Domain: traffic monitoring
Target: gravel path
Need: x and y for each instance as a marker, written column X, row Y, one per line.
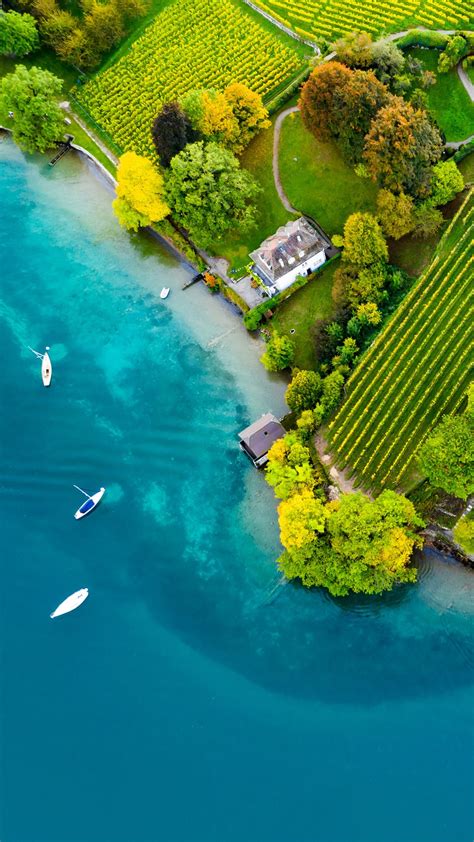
column 276, row 172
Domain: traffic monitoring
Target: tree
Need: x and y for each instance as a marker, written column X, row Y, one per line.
column 355, row 49
column 289, row 468
column 103, row 28
column 211, row 115
column 306, row 424
column 171, row 132
column 368, row 285
column 139, row 199
column 348, row 351
column 363, row 240
column 446, row 183
column 401, row 148
column 395, row 213
column 18, row 34
column 57, row 28
column 447, row 456
column 32, row 97
column 280, row 353
column 249, row 113
column 332, row 389
column 129, row 10
column 301, row 517
column 209, row 193
column 303, row 391
column 320, row 99
column 456, row 48
column 368, row 314
column 428, row 221
column 464, row 534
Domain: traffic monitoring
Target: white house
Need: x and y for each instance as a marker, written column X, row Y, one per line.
column 297, row 248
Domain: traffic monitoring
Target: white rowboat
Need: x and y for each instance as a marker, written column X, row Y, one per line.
column 90, row 504
column 165, row 292
column 46, row 369
column 71, row 603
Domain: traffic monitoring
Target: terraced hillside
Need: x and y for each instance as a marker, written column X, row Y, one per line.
column 190, row 44
column 331, row 18
column 417, row 369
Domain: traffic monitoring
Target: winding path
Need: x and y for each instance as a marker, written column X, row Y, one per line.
column 464, row 78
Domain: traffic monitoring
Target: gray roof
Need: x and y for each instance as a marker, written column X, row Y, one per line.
column 259, row 437
column 292, row 244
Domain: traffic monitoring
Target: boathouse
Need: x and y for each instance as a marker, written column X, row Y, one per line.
column 257, row 439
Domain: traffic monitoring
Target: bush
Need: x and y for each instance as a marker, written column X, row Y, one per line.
column 464, row 534
column 423, row 38
column 303, row 391
column 280, row 353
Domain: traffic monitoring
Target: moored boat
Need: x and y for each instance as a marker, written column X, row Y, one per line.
column 165, row 292
column 46, row 369
column 92, row 501
column 71, row 603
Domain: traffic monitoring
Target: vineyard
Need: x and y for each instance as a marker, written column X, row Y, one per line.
column 331, row 18
column 417, row 369
column 190, row 44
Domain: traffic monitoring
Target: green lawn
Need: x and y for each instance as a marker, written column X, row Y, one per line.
column 316, row 179
column 448, row 101
column 300, row 311
column 271, row 214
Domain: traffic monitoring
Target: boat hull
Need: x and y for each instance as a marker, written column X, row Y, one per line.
column 164, row 292
column 71, row 603
column 90, row 504
column 46, row 369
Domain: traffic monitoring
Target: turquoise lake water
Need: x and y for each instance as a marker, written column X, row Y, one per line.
column 192, row 697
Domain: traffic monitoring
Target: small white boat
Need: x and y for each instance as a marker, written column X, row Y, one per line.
column 46, row 366
column 46, row 369
column 71, row 603
column 92, row 501
column 165, row 292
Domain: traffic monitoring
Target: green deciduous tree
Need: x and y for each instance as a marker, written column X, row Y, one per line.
column 18, row 34
column 401, row 148
column 32, row 97
column 395, row 213
column 249, row 113
column 332, row 389
column 428, row 221
column 456, row 48
column 446, row 183
column 140, row 190
column 279, row 354
column 447, row 455
column 464, row 534
column 364, row 242
column 368, row 314
column 289, row 468
column 209, row 193
column 303, row 391
column 171, row 132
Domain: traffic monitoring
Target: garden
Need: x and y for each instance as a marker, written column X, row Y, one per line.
column 416, row 370
column 328, row 19
column 190, row 45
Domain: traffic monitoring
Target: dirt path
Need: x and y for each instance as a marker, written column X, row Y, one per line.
column 338, row 478
column 276, row 172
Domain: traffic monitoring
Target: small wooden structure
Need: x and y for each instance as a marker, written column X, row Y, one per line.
column 257, row 439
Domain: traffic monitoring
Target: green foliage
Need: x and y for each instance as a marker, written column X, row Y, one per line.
column 279, row 354
column 369, row 314
column 447, row 456
column 464, row 534
column 18, row 34
column 209, row 193
column 303, row 391
column 428, row 220
column 306, row 424
column 332, row 389
column 395, row 213
column 363, row 240
column 352, row 545
column 32, row 97
column 446, row 184
column 289, row 468
column 456, row 48
column 423, row 38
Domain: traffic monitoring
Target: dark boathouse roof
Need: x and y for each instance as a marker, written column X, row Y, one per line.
column 257, row 439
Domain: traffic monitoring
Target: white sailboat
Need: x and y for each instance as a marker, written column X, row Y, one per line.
column 92, row 501
column 71, row 603
column 46, row 365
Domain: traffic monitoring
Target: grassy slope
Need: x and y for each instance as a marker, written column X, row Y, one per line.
column 448, row 101
column 316, row 179
column 414, row 372
column 257, row 158
column 300, row 313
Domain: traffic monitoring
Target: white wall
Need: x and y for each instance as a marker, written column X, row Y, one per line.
column 314, row 262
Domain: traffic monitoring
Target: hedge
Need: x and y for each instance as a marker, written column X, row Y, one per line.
column 431, row 39
column 253, row 318
column 464, row 150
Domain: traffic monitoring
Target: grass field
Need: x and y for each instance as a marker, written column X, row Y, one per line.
column 329, row 19
column 300, row 311
column 416, row 370
column 190, row 44
column 448, row 100
column 316, row 179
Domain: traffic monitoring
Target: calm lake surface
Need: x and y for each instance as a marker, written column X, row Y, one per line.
column 192, row 697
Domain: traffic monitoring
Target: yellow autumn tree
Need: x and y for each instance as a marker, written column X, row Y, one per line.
column 140, row 192
column 300, row 518
column 249, row 113
column 232, row 117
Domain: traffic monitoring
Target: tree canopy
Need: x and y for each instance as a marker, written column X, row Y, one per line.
column 32, row 97
column 395, row 213
column 447, row 182
column 279, row 354
column 18, row 34
column 447, row 455
column 303, row 391
column 231, row 117
column 171, row 132
column 140, row 190
column 401, row 148
column 209, row 193
column 364, row 242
